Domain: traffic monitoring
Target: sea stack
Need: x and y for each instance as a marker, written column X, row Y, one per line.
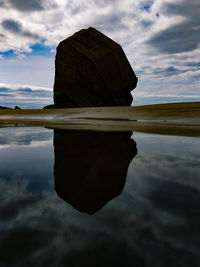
column 91, row 70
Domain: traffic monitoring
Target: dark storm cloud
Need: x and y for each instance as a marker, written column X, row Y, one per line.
column 182, row 37
column 16, row 27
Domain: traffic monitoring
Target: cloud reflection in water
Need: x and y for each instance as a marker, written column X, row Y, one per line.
column 154, row 222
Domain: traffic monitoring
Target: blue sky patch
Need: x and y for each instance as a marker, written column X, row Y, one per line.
column 41, row 49
column 37, row 49
column 8, row 54
column 147, row 7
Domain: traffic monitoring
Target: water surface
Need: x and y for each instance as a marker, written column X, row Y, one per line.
column 80, row 198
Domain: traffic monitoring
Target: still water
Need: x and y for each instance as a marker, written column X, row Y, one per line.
column 80, row 198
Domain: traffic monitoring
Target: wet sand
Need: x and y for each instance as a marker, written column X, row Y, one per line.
column 171, row 118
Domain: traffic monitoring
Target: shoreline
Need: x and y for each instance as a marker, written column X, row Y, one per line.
column 169, row 118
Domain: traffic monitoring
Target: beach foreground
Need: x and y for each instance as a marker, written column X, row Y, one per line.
column 170, row 118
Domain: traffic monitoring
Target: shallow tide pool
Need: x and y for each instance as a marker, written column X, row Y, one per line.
column 81, row 198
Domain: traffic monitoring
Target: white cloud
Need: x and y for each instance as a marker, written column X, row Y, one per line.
column 25, row 96
column 25, row 86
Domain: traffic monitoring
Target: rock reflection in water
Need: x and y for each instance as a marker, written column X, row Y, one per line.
column 90, row 167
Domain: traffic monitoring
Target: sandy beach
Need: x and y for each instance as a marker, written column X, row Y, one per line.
column 170, row 118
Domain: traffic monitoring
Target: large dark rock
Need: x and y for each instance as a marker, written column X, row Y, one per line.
column 90, row 167
column 92, row 70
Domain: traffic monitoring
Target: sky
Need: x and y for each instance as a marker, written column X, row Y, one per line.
column 161, row 39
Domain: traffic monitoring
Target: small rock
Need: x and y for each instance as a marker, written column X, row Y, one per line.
column 49, row 107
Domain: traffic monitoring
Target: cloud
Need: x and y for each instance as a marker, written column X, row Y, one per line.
column 12, row 209
column 170, row 71
column 183, row 36
column 11, row 25
column 23, row 5
column 24, row 137
column 15, row 27
column 4, row 89
column 193, row 64
column 25, row 97
column 34, row 145
column 177, row 39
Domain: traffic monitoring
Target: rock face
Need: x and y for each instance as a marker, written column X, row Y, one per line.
column 92, row 70
column 90, row 167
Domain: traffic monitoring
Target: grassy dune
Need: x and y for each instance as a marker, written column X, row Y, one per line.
column 170, row 118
